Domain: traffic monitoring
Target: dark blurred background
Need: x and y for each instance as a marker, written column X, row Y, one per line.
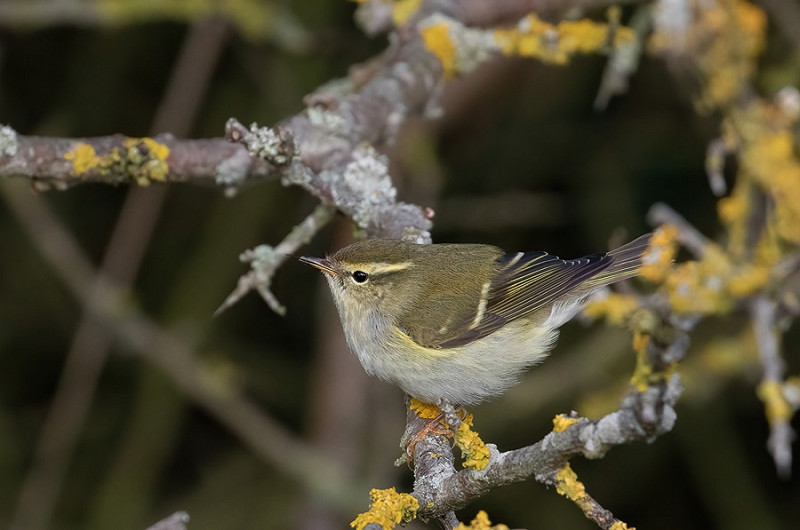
column 520, row 159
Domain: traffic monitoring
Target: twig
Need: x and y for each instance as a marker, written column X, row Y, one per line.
column 176, row 521
column 264, row 260
column 624, row 61
column 764, row 313
column 688, row 235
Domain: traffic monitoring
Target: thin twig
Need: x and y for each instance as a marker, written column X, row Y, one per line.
column 764, row 314
column 691, row 238
column 265, row 260
column 176, row 521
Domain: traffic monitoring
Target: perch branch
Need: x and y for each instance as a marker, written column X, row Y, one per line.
column 644, row 415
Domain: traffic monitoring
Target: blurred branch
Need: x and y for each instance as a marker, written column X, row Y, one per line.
column 126, row 247
column 689, row 236
column 170, row 353
column 255, row 20
column 624, row 60
column 176, row 521
column 480, row 13
column 377, row 16
column 764, row 313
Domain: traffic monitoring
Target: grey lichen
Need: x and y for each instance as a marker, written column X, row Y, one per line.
column 233, row 171
column 267, row 143
column 365, row 185
column 8, row 141
column 330, row 121
column 473, row 46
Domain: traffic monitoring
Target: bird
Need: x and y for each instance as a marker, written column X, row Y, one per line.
column 461, row 323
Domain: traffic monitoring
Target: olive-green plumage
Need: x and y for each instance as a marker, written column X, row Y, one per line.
column 460, row 322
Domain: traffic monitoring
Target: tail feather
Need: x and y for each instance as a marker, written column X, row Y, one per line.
column 625, row 264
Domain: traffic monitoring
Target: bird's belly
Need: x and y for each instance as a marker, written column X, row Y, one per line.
column 465, row 375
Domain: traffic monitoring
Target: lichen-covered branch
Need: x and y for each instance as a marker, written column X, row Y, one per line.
column 461, row 48
column 58, row 163
column 645, row 413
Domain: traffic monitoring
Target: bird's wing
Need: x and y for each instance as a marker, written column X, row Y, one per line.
column 524, row 283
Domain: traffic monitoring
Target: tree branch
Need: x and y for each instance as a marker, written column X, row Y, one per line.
column 58, row 163
column 643, row 416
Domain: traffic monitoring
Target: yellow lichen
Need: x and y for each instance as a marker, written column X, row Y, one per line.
column 437, row 40
column 481, row 522
column 83, row 157
column 388, row 509
column 426, row 411
column 142, row 160
column 568, row 484
column 702, row 286
column 614, row 307
column 561, row 422
column 643, row 372
column 776, row 406
column 475, row 453
column 747, row 280
column 403, row 10
column 660, row 255
column 725, row 68
column 146, row 160
column 558, row 43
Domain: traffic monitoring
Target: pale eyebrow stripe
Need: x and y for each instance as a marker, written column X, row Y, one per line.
column 382, row 268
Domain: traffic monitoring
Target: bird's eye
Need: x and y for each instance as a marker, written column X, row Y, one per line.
column 360, row 276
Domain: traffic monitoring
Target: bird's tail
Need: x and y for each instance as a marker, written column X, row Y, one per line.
column 625, row 264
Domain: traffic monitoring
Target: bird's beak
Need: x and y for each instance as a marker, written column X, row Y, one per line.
column 321, row 264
